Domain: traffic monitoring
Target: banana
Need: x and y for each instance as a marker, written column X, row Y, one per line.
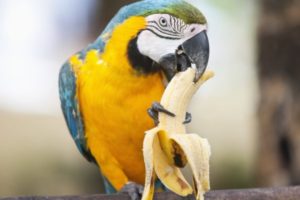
column 167, row 147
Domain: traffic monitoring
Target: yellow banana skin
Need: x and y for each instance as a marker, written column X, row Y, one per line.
column 174, row 153
column 167, row 147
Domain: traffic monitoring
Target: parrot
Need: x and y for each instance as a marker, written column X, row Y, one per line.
column 107, row 89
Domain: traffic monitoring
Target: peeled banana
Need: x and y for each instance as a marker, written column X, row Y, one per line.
column 167, row 147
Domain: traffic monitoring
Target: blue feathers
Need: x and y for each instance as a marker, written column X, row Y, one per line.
column 70, row 108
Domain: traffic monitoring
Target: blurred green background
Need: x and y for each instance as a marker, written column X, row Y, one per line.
column 37, row 154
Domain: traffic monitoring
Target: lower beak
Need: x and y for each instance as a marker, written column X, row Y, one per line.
column 193, row 52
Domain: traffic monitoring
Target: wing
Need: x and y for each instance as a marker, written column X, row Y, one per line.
column 71, row 110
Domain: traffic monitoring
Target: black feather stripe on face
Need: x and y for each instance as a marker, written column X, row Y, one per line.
column 142, row 64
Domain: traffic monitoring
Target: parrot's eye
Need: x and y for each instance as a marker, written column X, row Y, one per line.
column 167, row 26
column 163, row 22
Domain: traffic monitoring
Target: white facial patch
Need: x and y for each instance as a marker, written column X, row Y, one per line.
column 164, row 34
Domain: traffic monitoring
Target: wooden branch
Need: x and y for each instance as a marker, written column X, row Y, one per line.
column 280, row 193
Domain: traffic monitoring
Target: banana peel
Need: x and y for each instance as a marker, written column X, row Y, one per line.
column 167, row 147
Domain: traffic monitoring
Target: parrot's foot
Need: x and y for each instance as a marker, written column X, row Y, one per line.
column 134, row 190
column 188, row 118
column 157, row 108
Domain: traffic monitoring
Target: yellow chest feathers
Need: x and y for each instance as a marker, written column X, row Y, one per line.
column 114, row 99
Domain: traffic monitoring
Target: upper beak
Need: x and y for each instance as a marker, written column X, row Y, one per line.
column 197, row 50
column 194, row 51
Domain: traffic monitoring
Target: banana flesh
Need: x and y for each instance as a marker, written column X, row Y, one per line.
column 167, row 147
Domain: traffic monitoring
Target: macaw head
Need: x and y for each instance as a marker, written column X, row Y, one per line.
column 172, row 38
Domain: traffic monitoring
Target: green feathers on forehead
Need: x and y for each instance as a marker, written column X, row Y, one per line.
column 188, row 13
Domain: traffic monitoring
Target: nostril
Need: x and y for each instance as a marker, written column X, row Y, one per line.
column 193, row 29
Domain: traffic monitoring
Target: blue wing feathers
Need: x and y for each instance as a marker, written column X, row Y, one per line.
column 70, row 108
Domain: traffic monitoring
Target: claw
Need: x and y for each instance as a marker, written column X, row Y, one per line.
column 154, row 115
column 159, row 108
column 155, row 109
column 188, row 118
column 134, row 190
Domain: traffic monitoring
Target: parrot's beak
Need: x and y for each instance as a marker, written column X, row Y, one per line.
column 197, row 50
column 192, row 53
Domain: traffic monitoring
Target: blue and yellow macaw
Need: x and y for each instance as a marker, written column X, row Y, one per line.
column 107, row 88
